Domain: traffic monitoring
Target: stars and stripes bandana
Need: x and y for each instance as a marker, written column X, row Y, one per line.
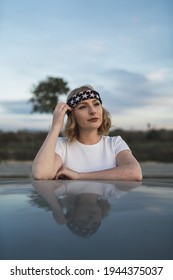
column 82, row 96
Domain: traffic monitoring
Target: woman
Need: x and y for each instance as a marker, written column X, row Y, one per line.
column 78, row 204
column 86, row 153
column 81, row 205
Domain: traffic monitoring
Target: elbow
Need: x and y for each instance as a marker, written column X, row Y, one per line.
column 140, row 176
column 133, row 173
column 36, row 176
column 40, row 175
column 136, row 175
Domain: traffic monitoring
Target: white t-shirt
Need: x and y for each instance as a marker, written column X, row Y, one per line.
column 83, row 187
column 88, row 158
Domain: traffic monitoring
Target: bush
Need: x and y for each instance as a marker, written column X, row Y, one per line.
column 151, row 145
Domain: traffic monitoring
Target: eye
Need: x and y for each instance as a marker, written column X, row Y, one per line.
column 96, row 104
column 81, row 107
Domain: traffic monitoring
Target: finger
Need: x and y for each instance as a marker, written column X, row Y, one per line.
column 69, row 110
column 59, row 174
column 60, row 106
column 63, row 108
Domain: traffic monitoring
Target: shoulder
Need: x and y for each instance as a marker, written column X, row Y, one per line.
column 61, row 145
column 116, row 143
column 64, row 142
column 61, row 142
column 113, row 140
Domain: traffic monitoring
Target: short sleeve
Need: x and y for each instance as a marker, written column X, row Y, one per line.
column 60, row 147
column 119, row 145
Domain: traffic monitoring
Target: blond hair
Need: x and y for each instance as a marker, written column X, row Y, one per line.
column 71, row 127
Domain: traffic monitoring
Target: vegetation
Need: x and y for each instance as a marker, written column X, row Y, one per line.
column 150, row 145
column 46, row 94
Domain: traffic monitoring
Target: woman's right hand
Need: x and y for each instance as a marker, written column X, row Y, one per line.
column 59, row 114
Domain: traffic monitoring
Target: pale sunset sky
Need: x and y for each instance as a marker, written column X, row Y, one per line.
column 123, row 48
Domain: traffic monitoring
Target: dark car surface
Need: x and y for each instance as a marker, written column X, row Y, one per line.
column 85, row 220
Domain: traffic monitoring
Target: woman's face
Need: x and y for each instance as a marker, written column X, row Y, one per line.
column 89, row 114
column 88, row 216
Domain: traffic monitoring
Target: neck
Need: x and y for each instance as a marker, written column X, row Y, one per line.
column 89, row 138
column 87, row 200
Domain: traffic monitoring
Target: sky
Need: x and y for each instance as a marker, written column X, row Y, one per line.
column 123, row 48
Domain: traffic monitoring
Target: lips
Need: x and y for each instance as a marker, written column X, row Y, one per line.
column 93, row 120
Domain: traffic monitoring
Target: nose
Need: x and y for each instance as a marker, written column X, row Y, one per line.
column 92, row 110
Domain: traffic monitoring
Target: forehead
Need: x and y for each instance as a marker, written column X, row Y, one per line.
column 88, row 101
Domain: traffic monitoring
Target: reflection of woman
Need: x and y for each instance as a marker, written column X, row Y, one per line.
column 81, row 205
column 84, row 212
column 87, row 152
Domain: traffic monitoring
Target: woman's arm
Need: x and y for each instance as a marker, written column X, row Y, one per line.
column 47, row 163
column 128, row 169
column 46, row 189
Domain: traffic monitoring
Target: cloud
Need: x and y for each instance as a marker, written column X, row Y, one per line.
column 14, row 122
column 16, row 107
column 125, row 90
column 158, row 75
column 17, row 116
column 132, row 98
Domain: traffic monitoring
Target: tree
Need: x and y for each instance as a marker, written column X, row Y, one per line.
column 46, row 94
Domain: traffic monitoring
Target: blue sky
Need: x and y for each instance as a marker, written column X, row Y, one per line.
column 123, row 48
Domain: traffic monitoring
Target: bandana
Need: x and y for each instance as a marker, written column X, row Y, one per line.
column 82, row 231
column 83, row 95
